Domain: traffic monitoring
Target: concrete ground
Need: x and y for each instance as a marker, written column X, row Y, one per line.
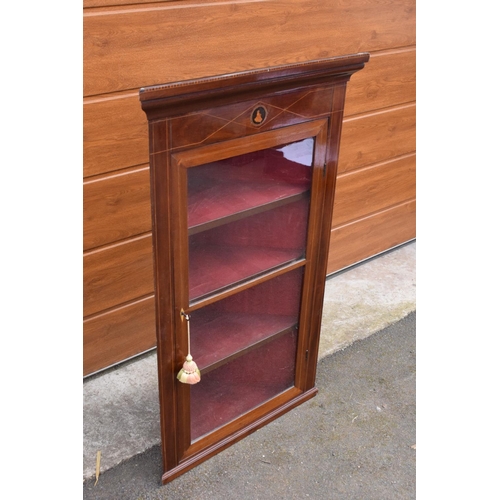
column 121, row 407
column 354, row 440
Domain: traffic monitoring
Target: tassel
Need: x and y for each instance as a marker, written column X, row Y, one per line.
column 189, row 373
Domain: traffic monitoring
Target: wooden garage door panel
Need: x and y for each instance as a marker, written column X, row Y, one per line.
column 127, row 49
column 109, row 3
column 116, row 207
column 366, row 237
column 118, row 335
column 388, row 80
column 117, row 274
column 375, row 188
column 115, row 134
column 376, row 137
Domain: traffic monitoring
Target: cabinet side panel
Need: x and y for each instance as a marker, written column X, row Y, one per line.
column 163, row 275
column 331, row 166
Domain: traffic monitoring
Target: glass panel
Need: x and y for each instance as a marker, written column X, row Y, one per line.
column 233, row 326
column 242, row 384
column 231, row 253
column 245, row 347
column 226, row 187
column 247, row 214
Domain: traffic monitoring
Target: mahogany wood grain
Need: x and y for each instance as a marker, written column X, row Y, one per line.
column 117, row 274
column 363, row 238
column 241, row 392
column 118, row 334
column 234, row 145
column 126, row 48
column 323, row 235
column 168, row 347
column 212, row 125
column 373, row 138
column 116, row 207
column 372, row 189
column 388, row 81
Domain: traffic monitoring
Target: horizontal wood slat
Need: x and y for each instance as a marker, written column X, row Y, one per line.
column 114, row 336
column 376, row 137
column 114, row 3
column 129, row 330
column 115, row 134
column 128, row 49
column 388, row 80
column 119, row 4
column 116, row 208
column 119, row 206
column 371, row 235
column 375, row 188
column 118, row 335
column 133, row 43
column 117, row 274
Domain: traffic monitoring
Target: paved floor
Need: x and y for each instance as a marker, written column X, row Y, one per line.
column 354, row 440
column 120, row 406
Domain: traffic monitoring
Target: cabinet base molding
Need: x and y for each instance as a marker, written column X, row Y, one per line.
column 209, row 452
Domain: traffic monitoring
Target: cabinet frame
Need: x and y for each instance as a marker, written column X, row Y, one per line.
column 171, row 110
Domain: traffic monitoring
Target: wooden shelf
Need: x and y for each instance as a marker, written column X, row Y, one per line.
column 234, row 216
column 217, row 339
column 246, row 382
column 214, row 269
column 224, row 191
column 243, row 249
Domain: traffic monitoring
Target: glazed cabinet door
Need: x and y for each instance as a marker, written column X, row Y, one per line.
column 243, row 171
column 245, row 237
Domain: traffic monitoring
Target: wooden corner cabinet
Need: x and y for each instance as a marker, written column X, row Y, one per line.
column 243, row 170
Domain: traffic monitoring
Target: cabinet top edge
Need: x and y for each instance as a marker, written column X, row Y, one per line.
column 288, row 73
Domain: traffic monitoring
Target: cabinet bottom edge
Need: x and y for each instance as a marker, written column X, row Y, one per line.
column 237, row 436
